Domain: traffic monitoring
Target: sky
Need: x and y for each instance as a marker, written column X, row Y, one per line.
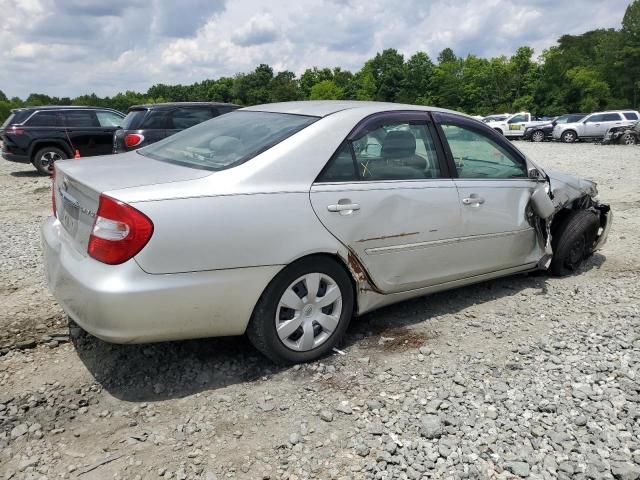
column 73, row 47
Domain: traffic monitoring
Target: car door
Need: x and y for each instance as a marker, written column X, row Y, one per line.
column 517, row 124
column 86, row 134
column 387, row 195
column 609, row 120
column 494, row 192
column 593, row 124
column 109, row 122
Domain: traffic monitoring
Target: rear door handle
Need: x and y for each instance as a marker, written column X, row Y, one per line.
column 473, row 201
column 343, row 207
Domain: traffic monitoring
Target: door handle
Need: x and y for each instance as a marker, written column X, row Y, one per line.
column 343, row 207
column 473, row 200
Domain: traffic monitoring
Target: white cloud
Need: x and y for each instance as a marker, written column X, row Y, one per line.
column 71, row 47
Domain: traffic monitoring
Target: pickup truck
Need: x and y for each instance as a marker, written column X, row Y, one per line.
column 515, row 125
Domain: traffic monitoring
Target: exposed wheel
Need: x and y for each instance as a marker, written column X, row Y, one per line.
column 569, row 136
column 628, row 139
column 574, row 241
column 44, row 159
column 304, row 311
column 537, row 136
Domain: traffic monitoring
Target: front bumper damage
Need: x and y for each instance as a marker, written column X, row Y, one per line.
column 559, row 195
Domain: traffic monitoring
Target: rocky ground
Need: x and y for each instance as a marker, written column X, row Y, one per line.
column 524, row 377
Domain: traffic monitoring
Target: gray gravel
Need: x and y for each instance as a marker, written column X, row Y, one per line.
column 524, row 377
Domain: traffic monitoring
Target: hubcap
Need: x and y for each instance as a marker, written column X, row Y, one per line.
column 47, row 158
column 538, row 137
column 629, row 140
column 568, row 137
column 308, row 312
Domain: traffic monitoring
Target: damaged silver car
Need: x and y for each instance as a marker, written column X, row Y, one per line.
column 284, row 221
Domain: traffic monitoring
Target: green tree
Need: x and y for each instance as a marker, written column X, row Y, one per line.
column 284, row 87
column 416, row 85
column 326, row 90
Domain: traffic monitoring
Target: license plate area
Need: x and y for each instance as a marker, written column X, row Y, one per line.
column 69, row 218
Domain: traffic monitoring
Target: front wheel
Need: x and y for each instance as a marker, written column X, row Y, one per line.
column 574, row 241
column 628, row 139
column 44, row 159
column 304, row 311
column 537, row 136
column 569, row 136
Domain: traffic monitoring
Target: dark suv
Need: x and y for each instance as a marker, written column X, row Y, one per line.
column 146, row 124
column 42, row 135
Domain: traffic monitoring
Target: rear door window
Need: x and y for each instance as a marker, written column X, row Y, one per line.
column 133, row 119
column 46, row 119
column 185, row 117
column 610, row 117
column 108, row 119
column 81, row 119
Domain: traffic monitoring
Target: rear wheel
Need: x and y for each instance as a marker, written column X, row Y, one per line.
column 44, row 159
column 569, row 136
column 304, row 311
column 537, row 136
column 574, row 241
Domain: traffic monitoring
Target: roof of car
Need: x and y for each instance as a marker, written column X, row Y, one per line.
column 178, row 104
column 322, row 108
column 62, row 107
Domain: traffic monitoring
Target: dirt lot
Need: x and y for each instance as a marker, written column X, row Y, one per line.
column 527, row 376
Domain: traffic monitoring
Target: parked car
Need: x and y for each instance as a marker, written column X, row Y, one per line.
column 544, row 131
column 283, row 221
column 43, row 135
column 629, row 135
column 594, row 126
column 146, row 124
column 514, row 126
column 496, row 118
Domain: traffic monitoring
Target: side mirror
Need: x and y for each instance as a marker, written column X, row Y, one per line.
column 535, row 174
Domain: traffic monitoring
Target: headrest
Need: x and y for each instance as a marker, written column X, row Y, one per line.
column 398, row 144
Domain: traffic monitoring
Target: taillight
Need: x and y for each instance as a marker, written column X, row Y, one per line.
column 119, row 232
column 53, row 189
column 133, row 139
column 15, row 130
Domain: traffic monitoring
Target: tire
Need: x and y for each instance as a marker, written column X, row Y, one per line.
column 569, row 136
column 537, row 136
column 301, row 346
column 628, row 139
column 574, row 241
column 45, row 157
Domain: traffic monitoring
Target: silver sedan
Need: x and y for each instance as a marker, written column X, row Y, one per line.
column 283, row 221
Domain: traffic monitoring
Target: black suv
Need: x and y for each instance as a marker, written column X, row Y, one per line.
column 544, row 131
column 146, row 124
column 42, row 135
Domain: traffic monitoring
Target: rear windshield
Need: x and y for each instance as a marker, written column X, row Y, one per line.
column 227, row 140
column 16, row 117
column 8, row 120
column 133, row 119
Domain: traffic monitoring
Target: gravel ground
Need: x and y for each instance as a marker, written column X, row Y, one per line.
column 523, row 377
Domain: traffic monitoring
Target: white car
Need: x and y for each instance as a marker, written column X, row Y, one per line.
column 283, row 221
column 515, row 125
column 594, row 126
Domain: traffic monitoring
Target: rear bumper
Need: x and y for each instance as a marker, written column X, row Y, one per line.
column 124, row 304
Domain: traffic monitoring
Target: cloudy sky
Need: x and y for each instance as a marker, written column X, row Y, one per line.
column 71, row 47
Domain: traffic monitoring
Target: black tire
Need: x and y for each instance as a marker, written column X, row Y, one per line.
column 44, row 158
column 569, row 136
column 262, row 326
column 537, row 136
column 574, row 241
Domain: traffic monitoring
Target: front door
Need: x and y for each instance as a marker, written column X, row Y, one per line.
column 494, row 193
column 387, row 195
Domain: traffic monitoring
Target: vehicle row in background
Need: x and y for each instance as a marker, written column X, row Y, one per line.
column 43, row 135
column 544, row 131
column 514, row 125
column 146, row 124
column 627, row 135
column 594, row 126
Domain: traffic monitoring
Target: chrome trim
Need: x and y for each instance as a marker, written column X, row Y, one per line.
column 434, row 243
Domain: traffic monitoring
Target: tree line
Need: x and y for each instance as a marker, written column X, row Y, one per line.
column 596, row 70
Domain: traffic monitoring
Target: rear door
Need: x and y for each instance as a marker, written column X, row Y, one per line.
column 517, row 124
column 86, row 134
column 109, row 123
column 387, row 195
column 494, row 193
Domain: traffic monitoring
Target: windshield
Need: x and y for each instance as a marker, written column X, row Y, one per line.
column 227, row 140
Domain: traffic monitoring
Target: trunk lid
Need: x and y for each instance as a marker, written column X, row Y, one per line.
column 79, row 183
